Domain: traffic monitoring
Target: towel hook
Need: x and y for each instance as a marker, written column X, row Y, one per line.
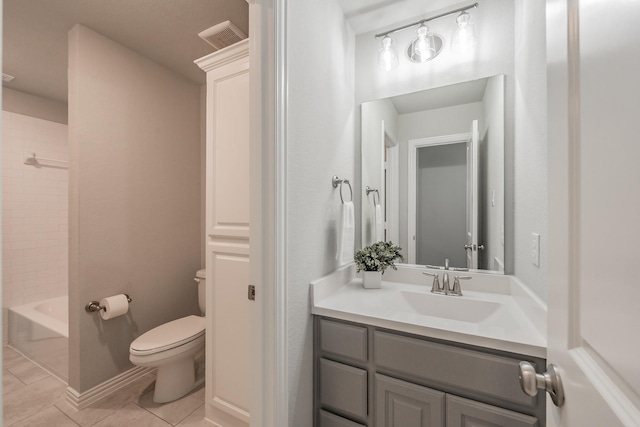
column 337, row 181
column 373, row 190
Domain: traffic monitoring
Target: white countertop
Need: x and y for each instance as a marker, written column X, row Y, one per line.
column 495, row 311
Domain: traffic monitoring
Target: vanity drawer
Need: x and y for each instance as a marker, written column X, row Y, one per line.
column 467, row 413
column 343, row 339
column 343, row 389
column 480, row 375
column 327, row 419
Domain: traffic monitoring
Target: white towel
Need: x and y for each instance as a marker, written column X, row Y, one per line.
column 379, row 223
column 346, row 234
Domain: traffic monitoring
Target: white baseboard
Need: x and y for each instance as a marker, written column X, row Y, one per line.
column 81, row 400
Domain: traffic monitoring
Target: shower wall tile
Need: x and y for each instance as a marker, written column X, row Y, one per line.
column 34, row 211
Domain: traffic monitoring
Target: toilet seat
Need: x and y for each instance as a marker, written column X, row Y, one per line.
column 168, row 336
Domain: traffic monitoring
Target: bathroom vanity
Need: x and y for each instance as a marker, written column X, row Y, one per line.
column 401, row 356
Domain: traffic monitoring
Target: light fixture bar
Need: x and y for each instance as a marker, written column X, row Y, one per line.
column 422, row 21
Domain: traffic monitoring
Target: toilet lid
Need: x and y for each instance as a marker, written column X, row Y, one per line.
column 169, row 335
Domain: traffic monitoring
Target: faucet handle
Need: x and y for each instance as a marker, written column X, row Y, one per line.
column 446, row 263
column 456, row 285
column 435, row 288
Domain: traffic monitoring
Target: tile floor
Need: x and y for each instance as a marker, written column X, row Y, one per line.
column 32, row 397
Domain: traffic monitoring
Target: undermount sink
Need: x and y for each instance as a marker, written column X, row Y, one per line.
column 462, row 308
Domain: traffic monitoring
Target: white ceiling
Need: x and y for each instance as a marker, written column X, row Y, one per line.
column 165, row 31
column 441, row 97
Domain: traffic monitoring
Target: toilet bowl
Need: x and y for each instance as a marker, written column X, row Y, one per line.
column 172, row 348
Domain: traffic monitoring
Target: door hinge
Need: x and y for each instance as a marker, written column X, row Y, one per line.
column 251, row 295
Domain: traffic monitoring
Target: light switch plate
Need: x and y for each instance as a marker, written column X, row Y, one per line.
column 535, row 249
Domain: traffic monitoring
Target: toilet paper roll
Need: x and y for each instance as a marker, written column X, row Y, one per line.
column 114, row 306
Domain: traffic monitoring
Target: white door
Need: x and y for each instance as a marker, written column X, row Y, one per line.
column 593, row 67
column 472, row 197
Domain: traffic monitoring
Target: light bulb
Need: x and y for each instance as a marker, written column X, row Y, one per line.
column 422, row 48
column 463, row 40
column 387, row 57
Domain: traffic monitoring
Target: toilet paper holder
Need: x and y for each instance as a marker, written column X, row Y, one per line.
column 93, row 306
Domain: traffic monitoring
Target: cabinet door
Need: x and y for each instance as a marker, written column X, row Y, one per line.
column 468, row 413
column 402, row 404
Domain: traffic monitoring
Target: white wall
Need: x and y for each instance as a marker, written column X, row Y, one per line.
column 320, row 143
column 372, row 154
column 530, row 149
column 134, row 212
column 35, row 211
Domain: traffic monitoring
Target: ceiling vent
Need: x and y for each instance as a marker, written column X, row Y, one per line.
column 7, row 77
column 222, row 35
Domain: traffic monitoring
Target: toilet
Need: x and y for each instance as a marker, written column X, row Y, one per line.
column 173, row 348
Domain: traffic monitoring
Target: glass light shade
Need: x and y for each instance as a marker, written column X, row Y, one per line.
column 423, row 48
column 387, row 57
column 463, row 40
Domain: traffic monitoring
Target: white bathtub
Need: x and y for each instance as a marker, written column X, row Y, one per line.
column 40, row 330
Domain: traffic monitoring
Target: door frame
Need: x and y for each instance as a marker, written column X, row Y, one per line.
column 268, row 91
column 412, row 157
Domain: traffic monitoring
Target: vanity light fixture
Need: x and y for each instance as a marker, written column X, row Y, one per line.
column 464, row 39
column 387, row 57
column 428, row 45
column 423, row 48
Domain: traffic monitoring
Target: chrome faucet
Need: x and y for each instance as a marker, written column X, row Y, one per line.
column 446, row 288
column 445, row 277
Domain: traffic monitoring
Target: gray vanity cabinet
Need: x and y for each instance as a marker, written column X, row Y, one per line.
column 372, row 377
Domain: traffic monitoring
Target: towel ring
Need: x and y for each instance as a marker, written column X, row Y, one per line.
column 337, row 181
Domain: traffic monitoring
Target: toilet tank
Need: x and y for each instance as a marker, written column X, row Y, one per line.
column 201, row 276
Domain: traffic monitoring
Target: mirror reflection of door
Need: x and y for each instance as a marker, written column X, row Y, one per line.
column 472, row 245
column 441, row 204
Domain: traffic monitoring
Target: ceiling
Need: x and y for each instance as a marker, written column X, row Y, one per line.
column 441, row 97
column 165, row 31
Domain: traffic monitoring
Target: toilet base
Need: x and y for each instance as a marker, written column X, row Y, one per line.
column 174, row 380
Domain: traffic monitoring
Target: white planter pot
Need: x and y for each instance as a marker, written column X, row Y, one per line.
column 372, row 279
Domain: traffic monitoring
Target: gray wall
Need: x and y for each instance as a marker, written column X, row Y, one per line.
column 34, row 106
column 134, row 134
column 441, row 216
column 320, row 142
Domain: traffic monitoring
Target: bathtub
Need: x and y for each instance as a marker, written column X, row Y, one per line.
column 40, row 331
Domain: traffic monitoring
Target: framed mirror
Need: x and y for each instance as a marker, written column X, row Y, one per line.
column 433, row 174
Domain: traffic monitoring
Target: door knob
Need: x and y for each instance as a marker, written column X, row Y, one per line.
column 466, row 247
column 550, row 381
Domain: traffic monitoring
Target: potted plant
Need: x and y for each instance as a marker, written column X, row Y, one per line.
column 374, row 260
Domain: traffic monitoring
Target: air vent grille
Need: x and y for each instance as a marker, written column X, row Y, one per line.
column 222, row 35
column 7, row 77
